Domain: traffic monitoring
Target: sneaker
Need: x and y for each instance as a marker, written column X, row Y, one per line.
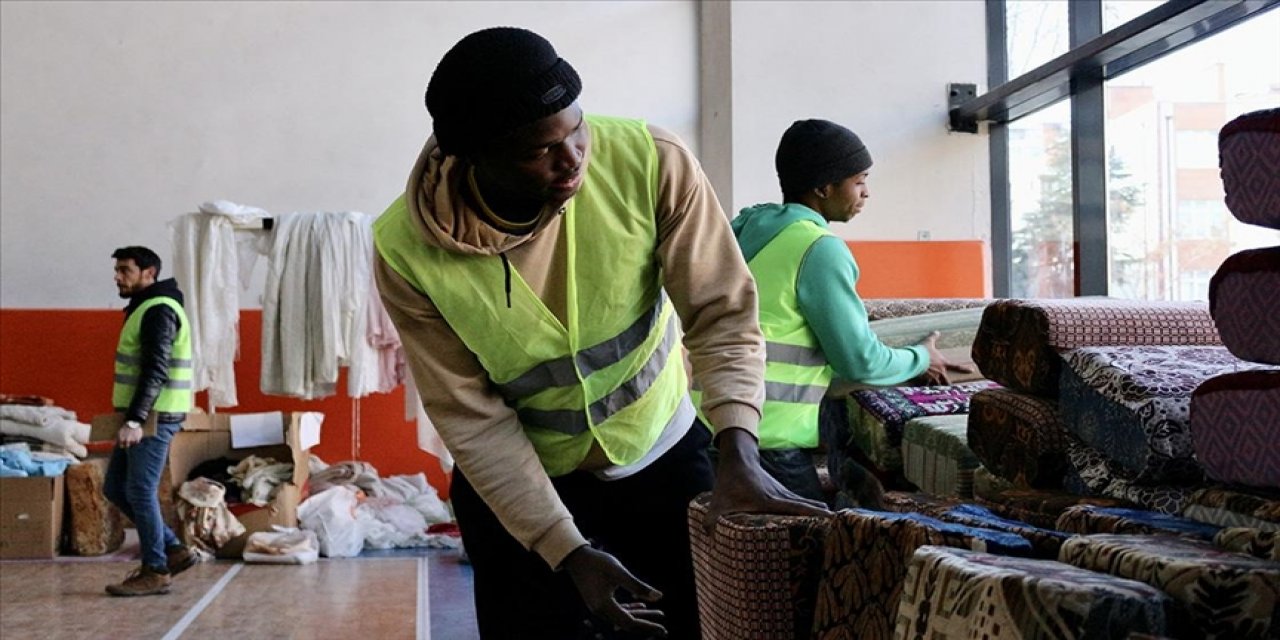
column 144, row 581
column 179, row 559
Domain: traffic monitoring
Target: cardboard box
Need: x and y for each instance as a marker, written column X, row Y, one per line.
column 207, row 436
column 30, row 517
column 204, row 437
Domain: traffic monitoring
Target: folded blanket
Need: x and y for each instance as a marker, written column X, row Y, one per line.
column 1229, row 595
column 1249, row 153
column 64, row 433
column 1254, row 542
column 1244, row 305
column 36, row 415
column 1093, row 474
column 1235, row 424
column 757, row 574
column 1045, row 542
column 936, row 456
column 877, row 416
column 1018, row 437
column 1134, row 403
column 954, row 594
column 1018, row 341
column 1088, row 519
column 865, row 559
column 1235, row 507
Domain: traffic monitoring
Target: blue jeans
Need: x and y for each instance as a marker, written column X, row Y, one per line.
column 133, row 485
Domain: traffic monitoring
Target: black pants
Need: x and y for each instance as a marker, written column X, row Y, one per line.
column 641, row 519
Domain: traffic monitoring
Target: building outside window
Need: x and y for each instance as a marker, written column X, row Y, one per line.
column 1167, row 227
column 1166, row 222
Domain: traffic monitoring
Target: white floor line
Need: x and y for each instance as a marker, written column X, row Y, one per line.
column 200, row 606
column 424, row 602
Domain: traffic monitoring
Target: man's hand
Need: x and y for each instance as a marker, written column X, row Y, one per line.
column 939, row 366
column 598, row 577
column 743, row 486
column 127, row 437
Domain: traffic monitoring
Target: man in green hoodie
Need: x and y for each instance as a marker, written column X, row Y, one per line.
column 815, row 325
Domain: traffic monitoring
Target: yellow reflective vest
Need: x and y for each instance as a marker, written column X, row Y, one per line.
column 177, row 395
column 611, row 373
column 796, row 374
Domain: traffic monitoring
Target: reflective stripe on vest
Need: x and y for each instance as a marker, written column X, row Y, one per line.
column 176, row 396
column 610, row 372
column 796, row 374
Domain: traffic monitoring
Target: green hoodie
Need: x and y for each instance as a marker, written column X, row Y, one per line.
column 829, row 300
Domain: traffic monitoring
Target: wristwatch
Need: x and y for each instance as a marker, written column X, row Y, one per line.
column 133, row 424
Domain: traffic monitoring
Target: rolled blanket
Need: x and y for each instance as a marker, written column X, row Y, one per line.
column 37, row 415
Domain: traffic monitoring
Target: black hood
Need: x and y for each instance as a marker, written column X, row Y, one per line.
column 167, row 288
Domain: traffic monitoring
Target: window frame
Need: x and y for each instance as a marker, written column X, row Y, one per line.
column 1079, row 75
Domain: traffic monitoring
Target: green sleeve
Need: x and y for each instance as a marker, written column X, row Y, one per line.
column 829, row 302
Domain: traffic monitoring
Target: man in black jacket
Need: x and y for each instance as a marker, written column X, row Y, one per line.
column 152, row 380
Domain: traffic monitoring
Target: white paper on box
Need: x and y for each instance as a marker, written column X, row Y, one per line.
column 309, row 430
column 256, row 429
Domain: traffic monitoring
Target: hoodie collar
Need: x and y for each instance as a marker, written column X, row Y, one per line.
column 436, row 199
column 167, row 288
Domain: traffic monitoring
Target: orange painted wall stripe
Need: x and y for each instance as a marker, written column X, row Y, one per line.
column 924, row 269
column 67, row 354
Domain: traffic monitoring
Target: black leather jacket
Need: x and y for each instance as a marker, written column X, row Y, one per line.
column 159, row 329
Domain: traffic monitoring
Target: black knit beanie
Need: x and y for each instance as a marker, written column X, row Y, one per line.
column 814, row 153
column 494, row 81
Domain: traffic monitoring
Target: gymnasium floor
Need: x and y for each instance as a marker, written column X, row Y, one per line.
column 412, row 593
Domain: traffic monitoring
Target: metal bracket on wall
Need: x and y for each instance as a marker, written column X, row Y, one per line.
column 958, row 94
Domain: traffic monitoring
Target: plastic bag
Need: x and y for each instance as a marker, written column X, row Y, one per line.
column 331, row 515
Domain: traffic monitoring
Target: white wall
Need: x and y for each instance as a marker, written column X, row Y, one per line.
column 881, row 69
column 117, row 117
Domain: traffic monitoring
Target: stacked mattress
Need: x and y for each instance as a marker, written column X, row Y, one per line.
column 1228, row 595
column 878, row 417
column 756, row 575
column 959, row 594
column 865, row 561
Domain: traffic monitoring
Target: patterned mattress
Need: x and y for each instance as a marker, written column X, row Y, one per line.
column 1018, row 437
column 865, row 561
column 1244, row 304
column 1085, row 519
column 1228, row 595
column 1235, row 425
column 1091, row 473
column 1018, row 341
column 1044, row 542
column 1254, row 542
column 1135, row 404
column 756, row 575
column 954, row 594
column 922, row 503
column 883, row 308
column 1040, row 507
column 956, row 328
column 1249, row 152
column 877, row 416
column 1229, row 507
column 935, row 456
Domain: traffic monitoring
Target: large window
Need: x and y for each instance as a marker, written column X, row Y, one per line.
column 1042, row 259
column 1138, row 210
column 1167, row 224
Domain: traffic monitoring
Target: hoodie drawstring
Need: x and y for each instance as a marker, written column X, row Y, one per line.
column 506, row 268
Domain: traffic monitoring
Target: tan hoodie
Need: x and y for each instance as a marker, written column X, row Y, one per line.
column 703, row 272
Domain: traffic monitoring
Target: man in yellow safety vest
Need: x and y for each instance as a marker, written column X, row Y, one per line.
column 152, row 376
column 541, row 268
column 815, row 325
